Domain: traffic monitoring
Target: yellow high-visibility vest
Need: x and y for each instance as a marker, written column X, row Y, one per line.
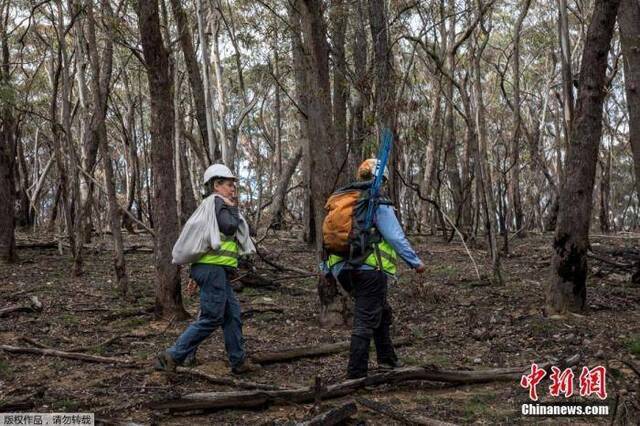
column 226, row 255
column 388, row 258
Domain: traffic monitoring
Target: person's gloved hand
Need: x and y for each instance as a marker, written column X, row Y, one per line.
column 420, row 269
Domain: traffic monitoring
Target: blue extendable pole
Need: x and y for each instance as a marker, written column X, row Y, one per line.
column 383, row 157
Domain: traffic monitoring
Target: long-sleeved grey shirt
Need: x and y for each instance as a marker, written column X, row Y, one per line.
column 228, row 217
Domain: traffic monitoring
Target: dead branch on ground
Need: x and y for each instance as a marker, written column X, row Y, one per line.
column 333, row 416
column 253, row 399
column 70, row 355
column 311, row 351
column 395, row 414
column 225, row 381
column 33, row 306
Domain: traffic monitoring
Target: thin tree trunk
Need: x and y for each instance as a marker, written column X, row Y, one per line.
column 278, row 111
column 565, row 64
column 450, row 152
column 7, row 155
column 516, row 198
column 191, row 63
column 325, row 151
column 101, row 78
column 168, row 295
column 222, row 101
column 567, row 289
column 212, row 143
column 361, row 98
column 277, row 205
column 629, row 21
column 605, row 191
column 301, row 73
column 89, row 144
column 131, row 152
column 338, row 15
column 483, row 168
column 72, row 192
column 385, row 88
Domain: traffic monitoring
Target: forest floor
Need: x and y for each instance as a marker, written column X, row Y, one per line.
column 451, row 318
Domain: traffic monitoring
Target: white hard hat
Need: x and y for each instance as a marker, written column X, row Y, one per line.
column 218, row 171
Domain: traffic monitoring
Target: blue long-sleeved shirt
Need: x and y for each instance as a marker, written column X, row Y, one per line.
column 386, row 222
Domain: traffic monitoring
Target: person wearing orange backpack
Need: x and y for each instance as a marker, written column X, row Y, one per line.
column 362, row 260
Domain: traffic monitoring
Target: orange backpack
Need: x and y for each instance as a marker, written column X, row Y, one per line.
column 343, row 227
column 338, row 223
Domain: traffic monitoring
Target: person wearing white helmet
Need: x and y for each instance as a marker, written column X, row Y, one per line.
column 365, row 275
column 219, row 306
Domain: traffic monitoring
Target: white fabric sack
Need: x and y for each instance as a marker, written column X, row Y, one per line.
column 201, row 234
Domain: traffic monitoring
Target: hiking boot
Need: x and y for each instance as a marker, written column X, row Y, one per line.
column 359, row 375
column 386, row 366
column 165, row 362
column 358, row 357
column 190, row 361
column 245, row 367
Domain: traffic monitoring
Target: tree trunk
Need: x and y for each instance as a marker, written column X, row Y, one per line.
column 212, row 142
column 565, row 64
column 277, row 206
column 25, row 217
column 385, row 89
column 222, row 101
column 101, row 78
column 131, row 155
column 338, row 15
column 71, row 194
column 629, row 21
column 278, row 109
column 191, row 63
column 7, row 158
column 450, row 152
column 567, row 288
column 516, row 198
column 325, row 151
column 361, row 98
column 168, row 295
column 483, row 168
column 89, row 143
column 300, row 65
column 605, row 191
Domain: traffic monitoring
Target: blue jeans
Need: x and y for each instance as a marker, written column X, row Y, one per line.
column 218, row 307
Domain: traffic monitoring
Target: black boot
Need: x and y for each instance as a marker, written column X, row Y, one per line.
column 387, row 358
column 358, row 357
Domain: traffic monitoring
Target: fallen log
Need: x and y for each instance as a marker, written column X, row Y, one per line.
column 225, row 381
column 33, row 306
column 23, row 402
column 254, row 280
column 16, row 308
column 96, row 346
column 311, row 351
column 253, row 399
column 403, row 418
column 128, row 313
column 252, row 311
column 138, row 248
column 333, row 416
column 34, row 343
column 48, row 244
column 69, row 355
